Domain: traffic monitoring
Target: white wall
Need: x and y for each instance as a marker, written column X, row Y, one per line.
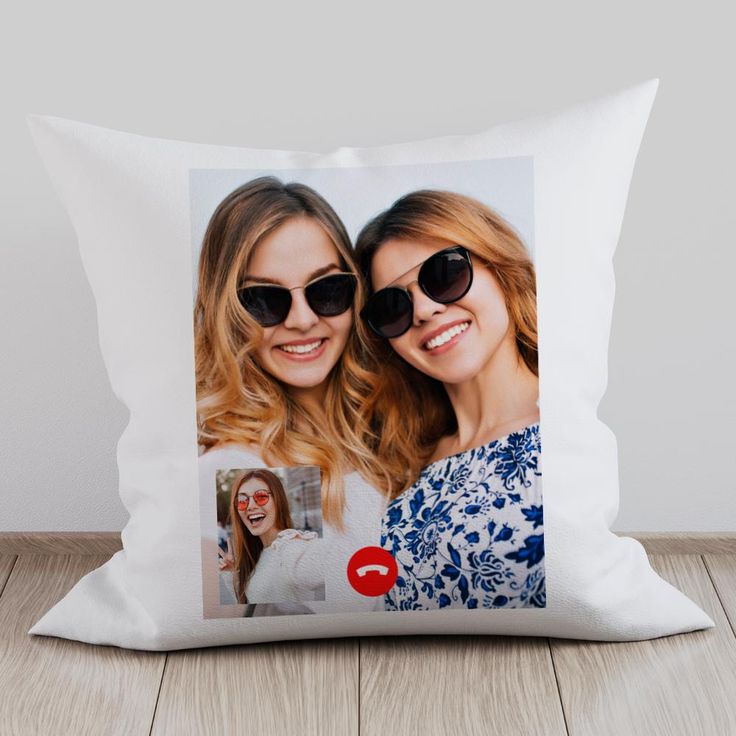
column 322, row 75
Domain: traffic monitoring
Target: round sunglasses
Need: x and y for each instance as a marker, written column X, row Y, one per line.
column 260, row 497
column 444, row 277
column 327, row 296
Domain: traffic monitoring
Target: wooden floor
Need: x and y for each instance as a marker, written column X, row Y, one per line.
column 675, row 685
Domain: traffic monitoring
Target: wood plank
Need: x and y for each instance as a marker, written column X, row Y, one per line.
column 55, row 686
column 458, row 685
column 674, row 685
column 60, row 543
column 305, row 687
column 685, row 543
column 6, row 565
column 722, row 569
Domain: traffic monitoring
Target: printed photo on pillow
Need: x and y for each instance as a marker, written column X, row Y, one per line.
column 367, row 380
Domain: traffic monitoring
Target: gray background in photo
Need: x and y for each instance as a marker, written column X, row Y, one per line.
column 358, row 194
column 314, row 76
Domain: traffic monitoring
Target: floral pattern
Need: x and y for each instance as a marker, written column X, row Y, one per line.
column 469, row 532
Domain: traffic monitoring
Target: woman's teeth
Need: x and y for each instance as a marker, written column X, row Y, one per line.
column 301, row 349
column 256, row 518
column 446, row 336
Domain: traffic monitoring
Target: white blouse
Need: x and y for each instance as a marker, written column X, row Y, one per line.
column 291, row 568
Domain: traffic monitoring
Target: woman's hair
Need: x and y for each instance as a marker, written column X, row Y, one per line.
column 237, row 400
column 413, row 408
column 247, row 547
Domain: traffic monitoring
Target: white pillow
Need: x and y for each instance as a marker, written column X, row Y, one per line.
column 138, row 206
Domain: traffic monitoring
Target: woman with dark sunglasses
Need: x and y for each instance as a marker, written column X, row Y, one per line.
column 452, row 309
column 280, row 379
column 271, row 562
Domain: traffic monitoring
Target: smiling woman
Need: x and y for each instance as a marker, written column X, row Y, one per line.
column 319, row 308
column 280, row 375
column 454, row 298
column 270, row 561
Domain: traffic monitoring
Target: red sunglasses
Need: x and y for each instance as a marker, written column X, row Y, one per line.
column 260, row 497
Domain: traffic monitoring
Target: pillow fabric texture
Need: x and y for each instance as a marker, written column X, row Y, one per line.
column 140, row 205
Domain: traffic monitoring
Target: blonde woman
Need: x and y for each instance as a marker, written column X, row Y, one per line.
column 279, row 366
column 271, row 562
column 453, row 312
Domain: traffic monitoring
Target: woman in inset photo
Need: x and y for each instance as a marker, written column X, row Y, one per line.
column 281, row 367
column 452, row 308
column 271, row 561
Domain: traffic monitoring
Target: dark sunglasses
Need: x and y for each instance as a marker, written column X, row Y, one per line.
column 444, row 277
column 327, row 296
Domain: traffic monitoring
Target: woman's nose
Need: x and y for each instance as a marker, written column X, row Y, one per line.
column 300, row 317
column 424, row 307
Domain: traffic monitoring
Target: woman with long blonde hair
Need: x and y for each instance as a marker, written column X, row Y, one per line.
column 279, row 355
column 452, row 309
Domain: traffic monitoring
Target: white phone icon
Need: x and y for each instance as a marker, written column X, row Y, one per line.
column 381, row 569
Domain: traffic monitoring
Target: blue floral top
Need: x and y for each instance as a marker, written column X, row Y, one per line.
column 468, row 533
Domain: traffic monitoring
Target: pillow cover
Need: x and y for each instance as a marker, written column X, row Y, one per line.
column 341, row 370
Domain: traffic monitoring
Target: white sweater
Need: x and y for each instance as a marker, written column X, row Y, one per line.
column 291, row 568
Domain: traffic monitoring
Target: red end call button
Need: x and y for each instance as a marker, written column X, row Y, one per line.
column 372, row 571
